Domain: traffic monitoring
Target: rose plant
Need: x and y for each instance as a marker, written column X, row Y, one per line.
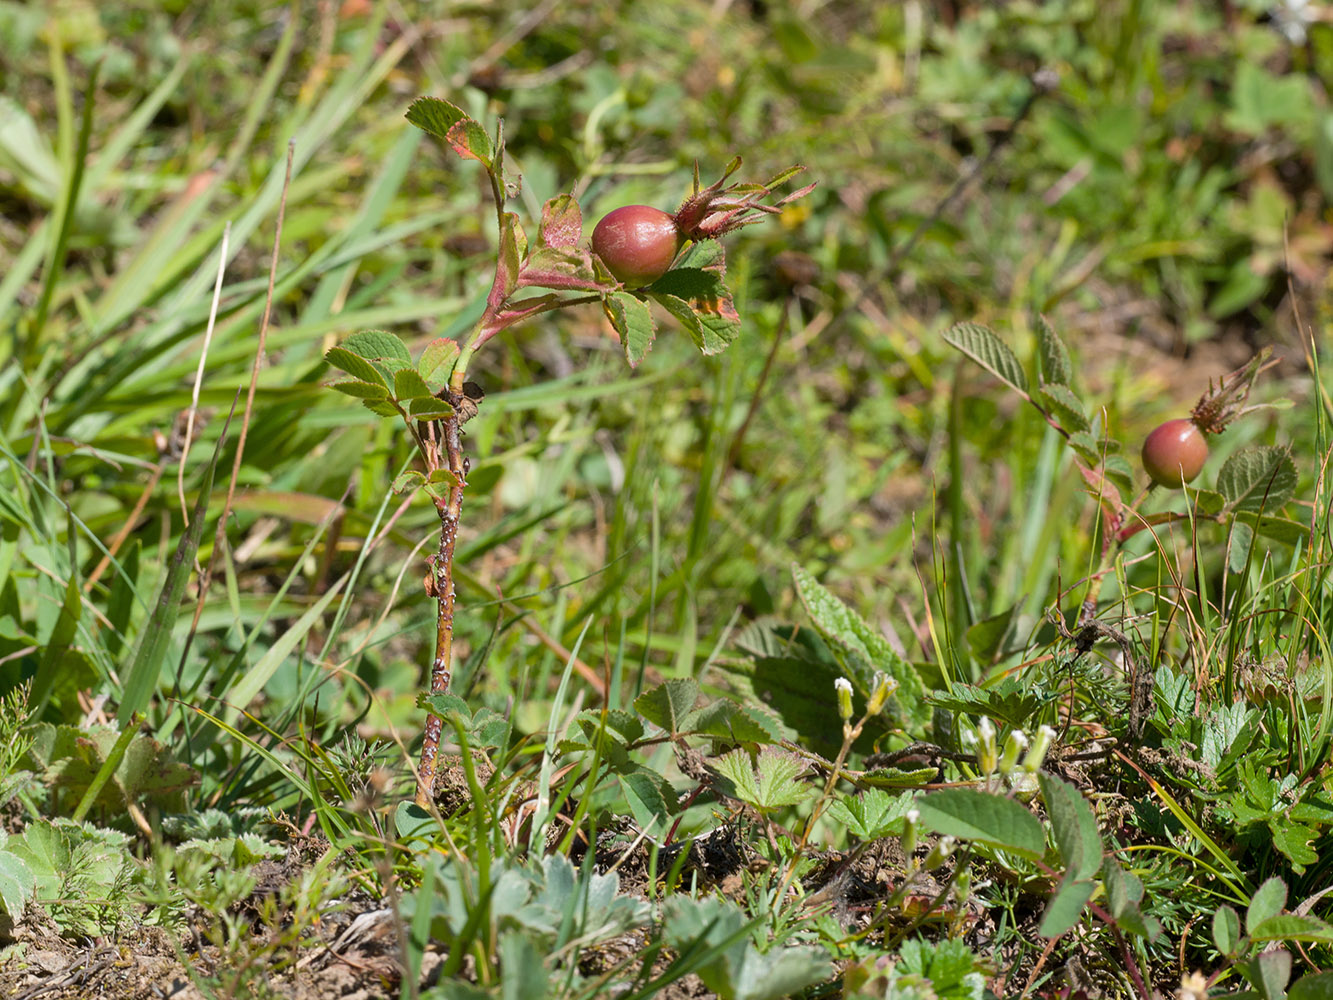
column 639, row 256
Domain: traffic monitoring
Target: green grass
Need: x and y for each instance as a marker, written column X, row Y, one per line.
column 720, row 538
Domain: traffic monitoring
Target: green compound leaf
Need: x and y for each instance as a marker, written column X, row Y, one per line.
column 989, row 351
column 633, row 323
column 1258, row 479
column 1056, row 368
column 988, row 819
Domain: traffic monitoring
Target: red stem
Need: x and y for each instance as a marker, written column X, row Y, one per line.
column 442, row 586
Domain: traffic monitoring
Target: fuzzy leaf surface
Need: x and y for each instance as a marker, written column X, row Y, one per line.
column 1258, row 479
column 989, row 351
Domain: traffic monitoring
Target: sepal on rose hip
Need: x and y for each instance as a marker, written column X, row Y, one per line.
column 715, row 211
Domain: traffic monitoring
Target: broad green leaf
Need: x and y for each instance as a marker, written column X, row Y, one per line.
column 873, row 813
column 360, row 390
column 377, row 345
column 1272, row 970
column 727, row 720
column 1280, row 529
column 409, row 480
column 1067, row 408
column 846, row 629
column 1008, row 701
column 1074, row 826
column 772, row 782
column 17, row 883
column 668, row 704
column 627, row 724
column 1066, row 907
column 1226, row 931
column 429, row 408
column 1294, row 840
column 1258, row 479
column 1316, row 986
column 704, row 254
column 382, row 352
column 650, row 798
column 437, row 363
column 633, row 323
column 408, row 384
column 1292, row 927
column 361, row 370
column 525, row 975
column 690, row 283
column 712, row 332
column 1266, row 903
column 989, row 351
column 1056, row 368
column 434, row 116
column 382, row 407
column 985, row 637
column 990, row 819
column 45, row 852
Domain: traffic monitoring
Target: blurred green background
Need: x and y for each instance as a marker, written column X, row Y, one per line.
column 1153, row 177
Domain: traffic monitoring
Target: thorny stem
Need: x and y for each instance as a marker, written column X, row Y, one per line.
column 441, row 585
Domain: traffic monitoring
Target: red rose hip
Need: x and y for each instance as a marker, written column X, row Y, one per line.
column 637, row 243
column 1174, row 453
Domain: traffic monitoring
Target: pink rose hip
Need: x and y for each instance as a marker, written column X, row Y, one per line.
column 1174, row 453
column 637, row 243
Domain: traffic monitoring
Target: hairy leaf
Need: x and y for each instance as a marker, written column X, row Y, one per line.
column 989, row 351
